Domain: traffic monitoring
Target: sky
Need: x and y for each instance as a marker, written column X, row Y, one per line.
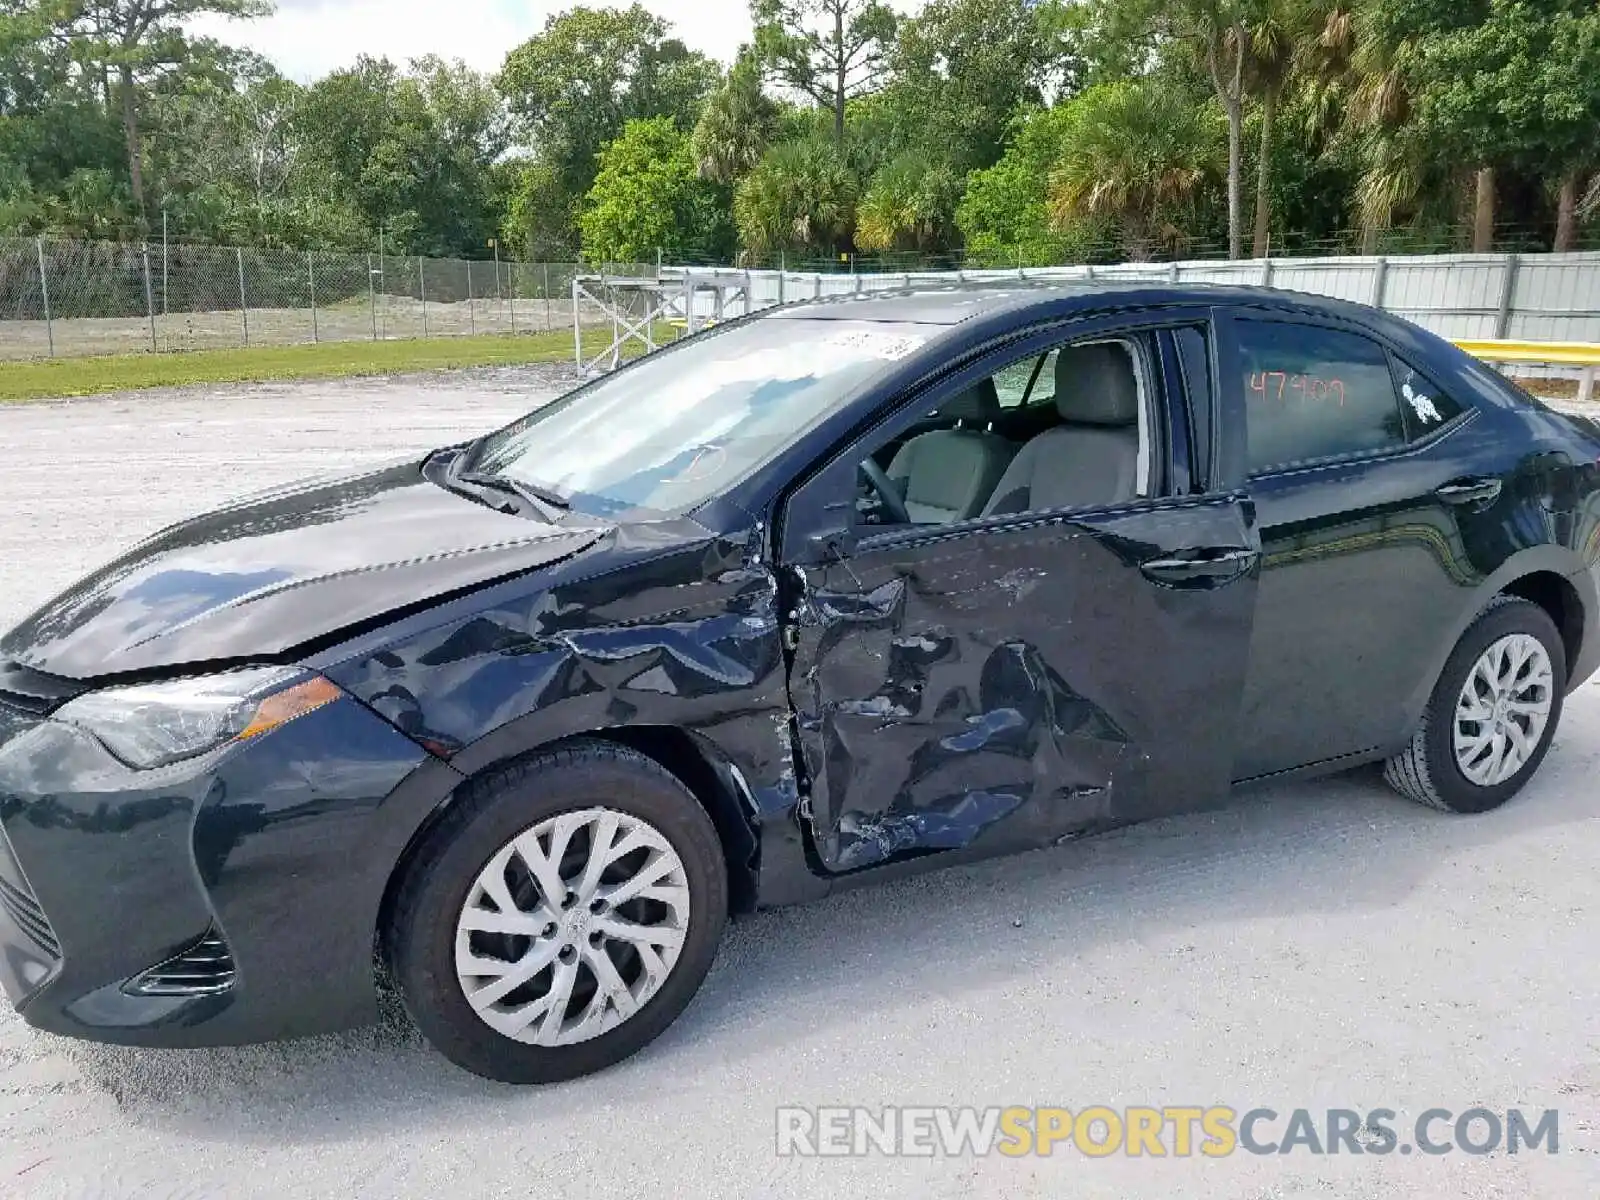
column 309, row 38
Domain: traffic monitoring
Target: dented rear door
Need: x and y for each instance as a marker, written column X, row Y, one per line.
column 1009, row 682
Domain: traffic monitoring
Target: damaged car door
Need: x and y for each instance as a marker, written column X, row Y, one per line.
column 1068, row 657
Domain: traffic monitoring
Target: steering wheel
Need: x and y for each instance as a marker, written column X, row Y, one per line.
column 888, row 494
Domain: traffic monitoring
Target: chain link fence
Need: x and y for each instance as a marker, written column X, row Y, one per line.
column 65, row 298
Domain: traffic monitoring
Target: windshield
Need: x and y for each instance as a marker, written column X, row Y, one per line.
column 673, row 429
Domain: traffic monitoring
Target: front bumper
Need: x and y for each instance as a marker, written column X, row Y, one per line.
column 253, row 875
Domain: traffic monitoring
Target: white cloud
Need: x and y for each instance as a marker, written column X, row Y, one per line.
column 309, row 38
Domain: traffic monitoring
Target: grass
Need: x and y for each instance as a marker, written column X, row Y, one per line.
column 45, row 378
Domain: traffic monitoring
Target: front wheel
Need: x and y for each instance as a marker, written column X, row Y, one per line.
column 1492, row 715
column 560, row 916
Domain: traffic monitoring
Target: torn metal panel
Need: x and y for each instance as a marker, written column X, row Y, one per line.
column 685, row 633
column 1009, row 686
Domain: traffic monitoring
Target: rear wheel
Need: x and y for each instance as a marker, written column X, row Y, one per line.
column 561, row 916
column 1492, row 715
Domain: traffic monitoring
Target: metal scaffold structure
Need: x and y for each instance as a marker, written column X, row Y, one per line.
column 685, row 301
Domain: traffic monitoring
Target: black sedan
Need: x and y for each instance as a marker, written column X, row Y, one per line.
column 843, row 590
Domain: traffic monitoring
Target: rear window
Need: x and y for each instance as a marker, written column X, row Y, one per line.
column 1426, row 407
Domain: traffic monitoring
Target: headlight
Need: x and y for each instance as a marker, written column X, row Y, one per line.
column 153, row 724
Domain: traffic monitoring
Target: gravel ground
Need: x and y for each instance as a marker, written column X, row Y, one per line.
column 1313, row 946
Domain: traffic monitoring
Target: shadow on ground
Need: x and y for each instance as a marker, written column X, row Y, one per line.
column 1319, row 850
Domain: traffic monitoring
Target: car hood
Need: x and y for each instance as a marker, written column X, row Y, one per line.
column 266, row 575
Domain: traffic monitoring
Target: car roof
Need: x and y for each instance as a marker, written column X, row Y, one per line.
column 939, row 303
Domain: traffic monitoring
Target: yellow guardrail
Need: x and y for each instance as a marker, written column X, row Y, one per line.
column 1564, row 354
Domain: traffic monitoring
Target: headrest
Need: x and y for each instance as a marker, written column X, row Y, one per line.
column 1095, row 385
column 979, row 404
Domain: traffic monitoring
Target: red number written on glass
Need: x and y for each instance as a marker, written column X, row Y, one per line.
column 1275, row 385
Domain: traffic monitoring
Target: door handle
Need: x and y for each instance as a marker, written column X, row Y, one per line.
column 1218, row 566
column 1470, row 491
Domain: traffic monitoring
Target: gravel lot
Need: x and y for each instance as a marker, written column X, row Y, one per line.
column 1314, row 946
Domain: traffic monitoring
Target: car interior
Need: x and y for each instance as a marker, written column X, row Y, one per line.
column 1065, row 429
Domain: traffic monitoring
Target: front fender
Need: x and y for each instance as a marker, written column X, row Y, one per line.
column 689, row 641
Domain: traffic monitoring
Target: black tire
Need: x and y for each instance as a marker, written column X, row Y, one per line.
column 1426, row 771
column 495, row 808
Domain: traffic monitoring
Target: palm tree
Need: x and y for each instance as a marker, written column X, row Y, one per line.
column 801, row 195
column 1355, row 94
column 1390, row 182
column 735, row 125
column 1323, row 71
column 1279, row 41
column 1225, row 41
column 1133, row 152
column 1401, row 170
column 910, row 203
column 1379, row 105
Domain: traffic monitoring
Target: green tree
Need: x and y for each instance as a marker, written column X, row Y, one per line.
column 1310, row 177
column 1280, row 34
column 540, row 214
column 137, row 41
column 648, row 197
column 573, row 86
column 801, row 197
column 1518, row 91
column 736, row 124
column 1134, row 153
column 1217, row 34
column 53, row 123
column 411, row 151
column 833, row 51
column 1004, row 215
column 93, row 202
column 222, row 149
column 1220, row 29
column 908, row 205
column 1087, row 42
column 962, row 68
column 902, row 134
column 1400, row 171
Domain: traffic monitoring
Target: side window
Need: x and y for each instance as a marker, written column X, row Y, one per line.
column 1194, row 361
column 1044, row 387
column 1011, row 383
column 1028, row 381
column 1090, row 443
column 1313, row 393
column 1426, row 407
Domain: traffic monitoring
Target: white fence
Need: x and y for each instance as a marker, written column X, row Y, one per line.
column 1532, row 297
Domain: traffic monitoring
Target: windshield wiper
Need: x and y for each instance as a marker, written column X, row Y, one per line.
column 550, row 503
